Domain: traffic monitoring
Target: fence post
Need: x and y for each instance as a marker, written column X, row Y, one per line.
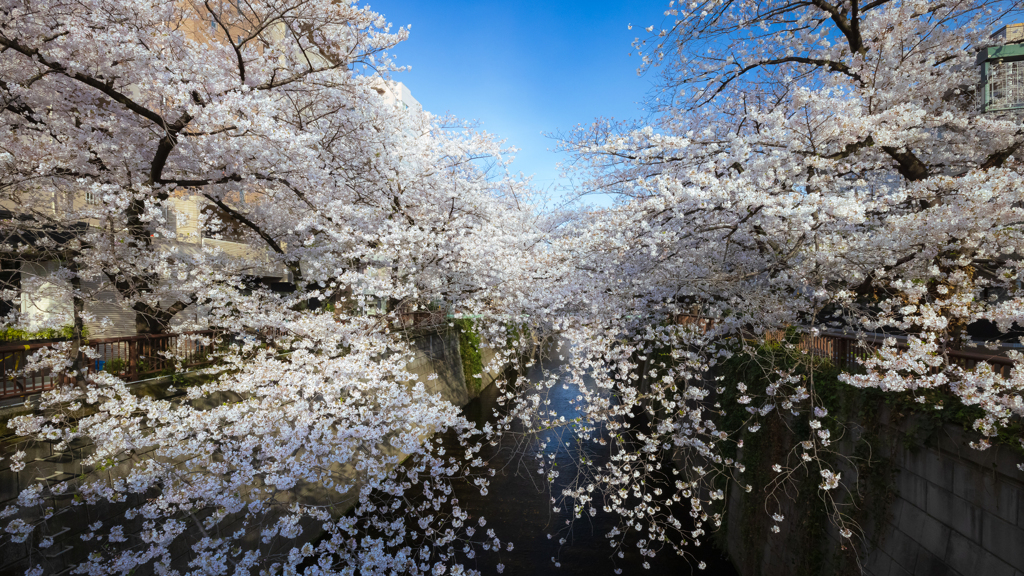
column 842, row 351
column 133, row 359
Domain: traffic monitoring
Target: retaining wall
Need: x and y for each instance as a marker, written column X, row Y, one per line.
column 955, row 512
column 958, row 511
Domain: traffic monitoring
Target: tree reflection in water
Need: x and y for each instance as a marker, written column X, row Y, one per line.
column 519, row 508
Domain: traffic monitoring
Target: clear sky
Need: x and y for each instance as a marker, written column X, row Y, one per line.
column 526, row 67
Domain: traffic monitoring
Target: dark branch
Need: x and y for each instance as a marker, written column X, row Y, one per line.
column 274, row 244
column 908, row 165
column 103, row 87
column 996, row 159
column 850, row 30
column 851, row 149
column 199, row 182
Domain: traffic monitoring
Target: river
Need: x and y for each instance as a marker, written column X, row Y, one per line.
column 518, row 508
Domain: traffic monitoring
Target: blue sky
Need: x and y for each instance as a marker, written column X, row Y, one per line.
column 525, row 67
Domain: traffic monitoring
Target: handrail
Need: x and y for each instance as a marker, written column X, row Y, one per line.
column 845, row 349
column 140, row 356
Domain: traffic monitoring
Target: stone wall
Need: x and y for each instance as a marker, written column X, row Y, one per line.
column 955, row 511
column 958, row 511
column 487, row 376
column 435, row 353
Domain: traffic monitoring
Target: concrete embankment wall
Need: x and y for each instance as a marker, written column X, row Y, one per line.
column 950, row 510
column 438, row 353
column 958, row 511
column 435, row 353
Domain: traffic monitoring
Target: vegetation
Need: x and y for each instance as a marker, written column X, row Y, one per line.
column 469, row 350
column 11, row 334
column 115, row 366
column 867, row 503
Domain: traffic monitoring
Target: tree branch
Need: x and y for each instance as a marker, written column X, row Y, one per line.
column 908, row 165
column 195, row 183
column 274, row 244
column 851, row 149
column 997, row 158
column 103, row 87
column 850, row 30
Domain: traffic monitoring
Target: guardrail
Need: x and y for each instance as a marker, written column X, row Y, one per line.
column 844, row 350
column 131, row 357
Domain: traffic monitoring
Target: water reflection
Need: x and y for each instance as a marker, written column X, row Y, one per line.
column 518, row 505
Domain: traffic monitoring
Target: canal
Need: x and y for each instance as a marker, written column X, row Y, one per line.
column 518, row 506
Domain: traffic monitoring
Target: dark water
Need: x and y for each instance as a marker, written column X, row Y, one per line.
column 519, row 509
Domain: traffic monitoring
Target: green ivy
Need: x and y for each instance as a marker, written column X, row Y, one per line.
column 516, row 332
column 871, row 501
column 941, row 407
column 469, row 350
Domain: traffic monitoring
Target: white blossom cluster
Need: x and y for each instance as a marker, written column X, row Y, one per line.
column 817, row 166
column 820, row 166
column 305, row 446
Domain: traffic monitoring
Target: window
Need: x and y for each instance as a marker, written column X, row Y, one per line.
column 1006, row 85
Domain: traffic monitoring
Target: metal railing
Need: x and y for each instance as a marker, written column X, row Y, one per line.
column 845, row 350
column 133, row 358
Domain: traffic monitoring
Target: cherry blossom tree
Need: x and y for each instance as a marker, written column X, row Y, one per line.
column 269, row 113
column 813, row 165
column 818, row 165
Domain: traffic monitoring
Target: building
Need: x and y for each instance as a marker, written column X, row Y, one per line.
column 396, row 93
column 1002, row 71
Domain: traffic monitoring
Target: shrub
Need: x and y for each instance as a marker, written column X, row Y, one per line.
column 117, row 366
column 14, row 335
